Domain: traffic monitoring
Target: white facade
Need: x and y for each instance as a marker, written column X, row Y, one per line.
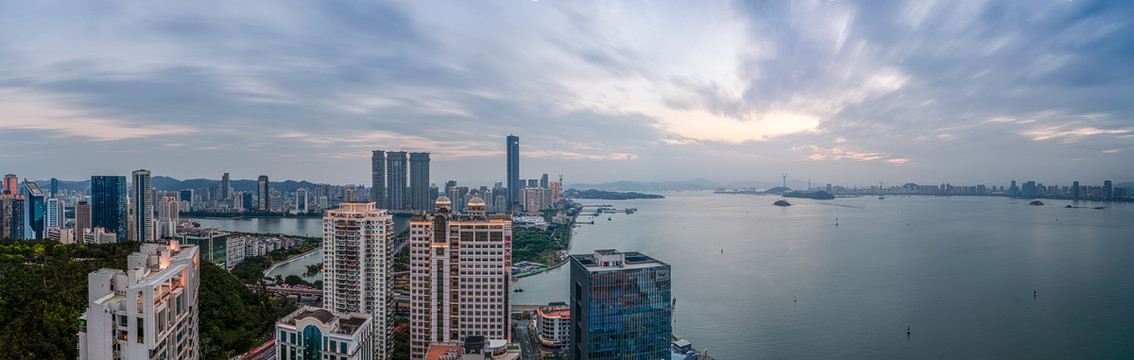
column 234, row 252
column 315, row 333
column 146, row 312
column 98, row 236
column 459, row 268
column 53, row 213
column 553, row 325
column 64, row 235
column 356, row 252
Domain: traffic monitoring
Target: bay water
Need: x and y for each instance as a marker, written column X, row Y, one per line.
column 958, row 271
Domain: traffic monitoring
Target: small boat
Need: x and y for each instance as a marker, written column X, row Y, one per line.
column 1036, row 203
column 881, row 198
column 608, row 218
column 518, row 290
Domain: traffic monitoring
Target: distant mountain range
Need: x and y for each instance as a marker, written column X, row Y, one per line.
column 165, row 183
column 695, row 184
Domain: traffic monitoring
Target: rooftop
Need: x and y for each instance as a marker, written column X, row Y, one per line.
column 611, row 259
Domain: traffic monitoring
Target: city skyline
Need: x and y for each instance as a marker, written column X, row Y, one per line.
column 602, row 92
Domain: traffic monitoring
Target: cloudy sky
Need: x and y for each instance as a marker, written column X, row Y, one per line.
column 837, row 91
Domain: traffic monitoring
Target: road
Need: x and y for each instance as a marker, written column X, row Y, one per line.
column 523, row 336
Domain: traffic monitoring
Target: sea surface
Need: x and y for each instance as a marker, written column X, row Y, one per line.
column 958, row 271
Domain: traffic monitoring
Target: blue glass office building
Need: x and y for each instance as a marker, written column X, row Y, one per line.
column 33, row 215
column 108, row 204
column 620, row 307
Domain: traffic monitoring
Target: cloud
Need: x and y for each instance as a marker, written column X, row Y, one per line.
column 604, row 89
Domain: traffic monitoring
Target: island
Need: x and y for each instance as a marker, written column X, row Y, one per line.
column 817, row 195
column 608, row 195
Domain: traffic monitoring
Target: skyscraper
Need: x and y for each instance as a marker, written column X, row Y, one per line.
column 620, row 306
column 108, row 205
column 225, row 188
column 356, row 261
column 142, row 222
column 148, row 311
column 34, row 199
column 378, row 178
column 82, row 218
column 264, row 194
column 396, row 180
column 11, row 184
column 513, row 176
column 53, row 215
column 1107, row 190
column 301, row 200
column 54, row 187
column 543, row 182
column 458, row 275
column 1075, row 190
column 419, row 181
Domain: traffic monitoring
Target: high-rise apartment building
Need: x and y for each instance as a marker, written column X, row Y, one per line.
column 357, row 240
column 16, row 219
column 1075, row 190
column 35, row 200
column 543, row 183
column 264, row 194
column 419, row 181
column 1107, row 190
column 459, row 268
column 620, row 306
column 11, row 184
column 513, row 176
column 142, row 206
column 378, row 178
column 167, row 218
column 82, row 217
column 109, row 206
column 148, row 311
column 225, row 190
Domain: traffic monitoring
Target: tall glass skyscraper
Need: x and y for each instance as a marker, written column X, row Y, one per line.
column 108, row 204
column 419, row 181
column 396, row 180
column 263, row 191
column 142, row 222
column 620, row 306
column 513, row 177
column 33, row 215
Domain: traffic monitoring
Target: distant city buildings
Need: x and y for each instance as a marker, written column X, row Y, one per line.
column 34, row 200
column 378, row 178
column 620, row 306
column 148, row 311
column 419, row 181
column 356, row 262
column 459, row 268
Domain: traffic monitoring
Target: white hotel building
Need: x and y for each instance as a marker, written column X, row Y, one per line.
column 148, row 311
column 459, row 268
column 357, row 240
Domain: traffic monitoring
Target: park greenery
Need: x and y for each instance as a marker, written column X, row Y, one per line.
column 539, row 245
column 43, row 291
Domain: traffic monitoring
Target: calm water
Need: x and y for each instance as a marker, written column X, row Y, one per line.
column 958, row 270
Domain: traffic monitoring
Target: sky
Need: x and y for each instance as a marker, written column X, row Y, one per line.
column 844, row 92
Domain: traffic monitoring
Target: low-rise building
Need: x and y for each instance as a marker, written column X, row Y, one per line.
column 148, row 311
column 64, row 235
column 98, row 236
column 316, row 333
column 553, row 325
column 212, row 241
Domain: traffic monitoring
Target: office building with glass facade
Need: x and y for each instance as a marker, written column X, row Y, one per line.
column 620, row 306
column 108, row 205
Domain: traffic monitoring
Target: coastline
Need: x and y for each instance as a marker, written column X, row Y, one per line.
column 570, row 236
column 293, row 258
